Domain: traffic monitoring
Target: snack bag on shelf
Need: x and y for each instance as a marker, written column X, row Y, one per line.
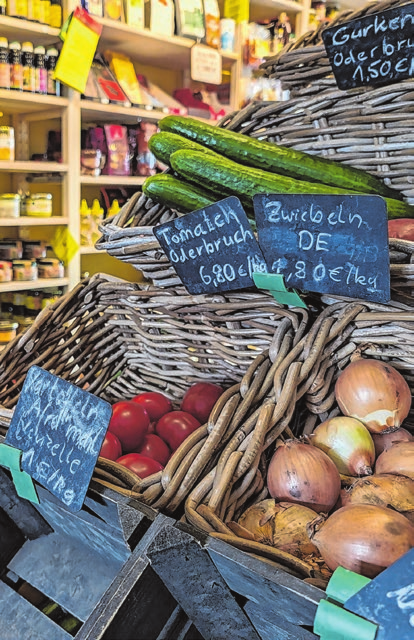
column 118, row 161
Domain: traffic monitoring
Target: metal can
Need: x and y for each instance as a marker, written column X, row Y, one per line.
column 38, row 205
column 9, row 205
column 7, row 143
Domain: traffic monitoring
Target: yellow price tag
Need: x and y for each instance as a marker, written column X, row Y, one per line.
column 79, row 47
column 64, row 245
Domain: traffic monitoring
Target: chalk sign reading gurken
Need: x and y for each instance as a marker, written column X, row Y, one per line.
column 213, row 249
column 60, row 429
column 327, row 244
column 374, row 50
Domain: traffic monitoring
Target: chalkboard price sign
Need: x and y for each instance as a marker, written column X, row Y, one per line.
column 328, row 244
column 213, row 249
column 60, row 429
column 373, row 50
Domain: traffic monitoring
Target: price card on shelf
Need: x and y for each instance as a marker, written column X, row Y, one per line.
column 60, row 429
column 205, row 64
column 213, row 249
column 373, row 50
column 327, row 244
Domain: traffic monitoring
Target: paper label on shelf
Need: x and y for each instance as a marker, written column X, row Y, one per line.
column 205, row 64
column 64, row 245
column 78, row 50
column 238, row 10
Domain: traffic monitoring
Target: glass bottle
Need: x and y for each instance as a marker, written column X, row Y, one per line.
column 40, row 69
column 29, row 72
column 4, row 64
column 53, row 86
column 16, row 67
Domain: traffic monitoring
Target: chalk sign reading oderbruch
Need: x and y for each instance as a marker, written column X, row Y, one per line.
column 213, row 249
column 373, row 50
column 328, row 244
column 60, row 429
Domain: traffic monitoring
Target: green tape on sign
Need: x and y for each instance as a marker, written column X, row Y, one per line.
column 344, row 584
column 274, row 282
column 10, row 458
column 334, row 623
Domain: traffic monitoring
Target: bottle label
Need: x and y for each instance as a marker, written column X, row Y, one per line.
column 16, row 76
column 41, row 80
column 51, row 83
column 4, row 75
column 29, row 79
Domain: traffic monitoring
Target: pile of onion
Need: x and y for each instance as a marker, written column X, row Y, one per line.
column 382, row 490
column 362, row 538
column 348, row 443
column 398, row 459
column 384, row 441
column 301, row 473
column 281, row 525
column 375, row 393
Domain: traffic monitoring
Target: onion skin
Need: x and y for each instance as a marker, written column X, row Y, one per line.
column 399, row 459
column 384, row 441
column 348, row 443
column 363, row 538
column 258, row 519
column 303, row 474
column 383, row 490
column 375, row 393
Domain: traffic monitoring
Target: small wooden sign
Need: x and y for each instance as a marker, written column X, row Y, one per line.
column 60, row 429
column 373, row 50
column 328, row 244
column 205, row 64
column 213, row 249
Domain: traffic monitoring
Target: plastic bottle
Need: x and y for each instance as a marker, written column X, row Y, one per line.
column 4, row 64
column 16, row 67
column 96, row 219
column 29, row 72
column 85, row 224
column 114, row 208
column 53, row 86
column 41, row 71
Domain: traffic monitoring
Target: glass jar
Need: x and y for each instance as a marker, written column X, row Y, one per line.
column 9, row 205
column 11, row 249
column 6, row 271
column 38, row 205
column 34, row 249
column 25, row 270
column 7, row 143
column 33, row 303
column 8, row 331
column 51, row 268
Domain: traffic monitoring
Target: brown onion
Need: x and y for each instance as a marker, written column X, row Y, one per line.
column 398, row 459
column 281, row 525
column 383, row 490
column 383, row 441
column 375, row 393
column 304, row 474
column 348, row 444
column 362, row 537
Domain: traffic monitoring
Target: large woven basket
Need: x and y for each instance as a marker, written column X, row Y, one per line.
column 296, row 385
column 116, row 340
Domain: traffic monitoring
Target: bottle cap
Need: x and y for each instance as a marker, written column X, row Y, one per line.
column 4, row 42
column 15, row 46
column 52, row 52
column 40, row 49
column 27, row 46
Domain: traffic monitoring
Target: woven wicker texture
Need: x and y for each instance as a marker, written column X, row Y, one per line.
column 116, row 341
column 296, row 388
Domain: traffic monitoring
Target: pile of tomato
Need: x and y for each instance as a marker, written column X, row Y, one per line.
column 145, row 431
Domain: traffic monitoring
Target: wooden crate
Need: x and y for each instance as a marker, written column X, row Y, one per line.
column 229, row 593
column 90, row 565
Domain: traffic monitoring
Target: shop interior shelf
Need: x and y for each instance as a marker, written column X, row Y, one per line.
column 15, row 28
column 126, row 181
column 28, row 166
column 27, row 221
column 23, row 101
column 40, row 283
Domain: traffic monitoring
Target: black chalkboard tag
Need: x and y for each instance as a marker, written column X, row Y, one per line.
column 213, row 249
column 388, row 600
column 60, row 429
column 326, row 243
column 373, row 50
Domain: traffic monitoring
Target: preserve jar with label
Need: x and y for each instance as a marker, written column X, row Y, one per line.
column 38, row 205
column 6, row 271
column 7, row 143
column 51, row 268
column 9, row 205
column 25, row 270
column 8, row 331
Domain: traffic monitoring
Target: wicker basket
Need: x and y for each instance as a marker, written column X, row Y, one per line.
column 116, row 340
column 296, row 385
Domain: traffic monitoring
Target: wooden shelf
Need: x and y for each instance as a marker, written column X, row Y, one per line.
column 40, row 283
column 24, row 102
column 15, row 28
column 125, row 181
column 27, row 221
column 23, row 166
column 117, row 113
column 87, row 251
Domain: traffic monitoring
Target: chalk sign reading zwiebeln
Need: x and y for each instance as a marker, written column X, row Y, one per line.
column 327, row 243
column 213, row 249
column 373, row 50
column 60, row 429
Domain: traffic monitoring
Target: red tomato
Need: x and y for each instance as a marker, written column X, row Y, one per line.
column 200, row 399
column 139, row 464
column 154, row 403
column 154, row 447
column 111, row 447
column 175, row 426
column 129, row 423
column 151, row 428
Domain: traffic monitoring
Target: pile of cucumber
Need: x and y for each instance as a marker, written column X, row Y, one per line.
column 209, row 163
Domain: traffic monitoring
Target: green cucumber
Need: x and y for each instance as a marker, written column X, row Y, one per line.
column 232, row 178
column 164, row 144
column 275, row 158
column 176, row 193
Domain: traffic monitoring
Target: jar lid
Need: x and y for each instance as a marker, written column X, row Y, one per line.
column 8, row 325
column 4, row 264
column 24, row 263
column 39, row 196
column 9, row 196
column 49, row 261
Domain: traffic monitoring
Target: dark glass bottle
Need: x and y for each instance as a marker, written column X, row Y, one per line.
column 29, row 71
column 16, row 68
column 53, row 85
column 40, row 69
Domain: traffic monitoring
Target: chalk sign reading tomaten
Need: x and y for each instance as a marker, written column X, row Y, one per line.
column 213, row 249
column 326, row 243
column 374, row 50
column 60, row 429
